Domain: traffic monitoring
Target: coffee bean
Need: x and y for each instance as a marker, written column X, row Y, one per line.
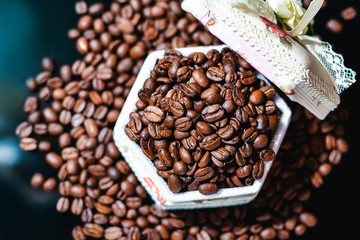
column 210, row 142
column 24, row 130
column 257, row 97
column 62, row 204
column 212, row 113
column 203, row 174
column 93, row 230
column 37, row 180
column 113, row 233
column 49, row 184
column 308, row 219
column 54, row 160
column 28, row 144
column 165, row 157
column 215, row 74
column 153, row 114
column 349, row 13
column 208, row 188
column 174, row 183
column 258, row 169
column 334, row 26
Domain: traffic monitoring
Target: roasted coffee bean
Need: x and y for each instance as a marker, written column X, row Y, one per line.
column 204, row 128
column 180, row 168
column 269, row 91
column 185, row 155
column 238, row 97
column 249, row 135
column 54, row 160
column 213, row 113
column 208, row 188
column 28, row 144
column 261, row 141
column 258, row 169
column 226, row 132
column 200, row 78
column 247, row 77
column 215, row 74
column 270, row 107
column 189, row 143
column 174, row 183
column 334, row 26
column 203, row 174
column 267, row 155
column 24, row 130
column 257, row 97
column 93, row 230
column 244, row 171
column 210, row 142
column 154, row 114
column 62, row 204
column 220, row 154
column 165, row 157
column 183, row 124
column 49, row 184
column 37, row 180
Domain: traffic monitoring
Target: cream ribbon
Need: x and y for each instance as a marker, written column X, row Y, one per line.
column 310, row 13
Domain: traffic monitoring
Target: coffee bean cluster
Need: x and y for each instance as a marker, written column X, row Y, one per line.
column 96, row 184
column 205, row 120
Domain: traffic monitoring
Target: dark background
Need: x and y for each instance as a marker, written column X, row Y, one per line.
column 30, row 30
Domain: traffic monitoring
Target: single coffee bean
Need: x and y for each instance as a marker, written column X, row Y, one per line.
column 54, row 160
column 37, row 180
column 28, row 144
column 215, row 74
column 49, row 184
column 267, row 155
column 113, row 233
column 334, row 26
column 220, row 154
column 24, row 130
column 174, row 183
column 208, row 188
column 154, row 114
column 210, row 142
column 257, row 97
column 213, row 113
column 258, row 169
column 62, row 204
column 238, row 97
column 247, row 77
column 203, row 174
column 261, row 141
column 165, row 157
column 93, row 230
column 244, row 171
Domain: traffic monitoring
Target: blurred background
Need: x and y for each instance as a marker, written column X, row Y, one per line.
column 30, row 30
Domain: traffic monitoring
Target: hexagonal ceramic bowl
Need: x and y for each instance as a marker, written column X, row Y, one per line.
column 144, row 168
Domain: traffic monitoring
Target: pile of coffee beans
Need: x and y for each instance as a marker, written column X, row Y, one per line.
column 205, row 120
column 71, row 114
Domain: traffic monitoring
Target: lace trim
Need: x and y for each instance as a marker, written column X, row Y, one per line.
column 289, row 71
column 344, row 77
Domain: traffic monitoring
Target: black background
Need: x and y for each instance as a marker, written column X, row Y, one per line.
column 30, row 30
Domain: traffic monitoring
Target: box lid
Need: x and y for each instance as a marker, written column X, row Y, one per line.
column 249, row 29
